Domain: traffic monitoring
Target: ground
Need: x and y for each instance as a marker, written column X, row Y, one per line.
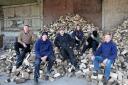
column 61, row 81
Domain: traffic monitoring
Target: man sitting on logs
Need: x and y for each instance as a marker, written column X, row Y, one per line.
column 24, row 41
column 64, row 42
column 105, row 55
column 44, row 52
column 78, row 37
column 92, row 42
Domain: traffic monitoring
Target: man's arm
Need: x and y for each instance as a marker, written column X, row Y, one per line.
column 81, row 35
column 113, row 52
column 73, row 34
column 20, row 38
column 33, row 37
column 70, row 40
column 56, row 42
column 50, row 48
column 99, row 51
column 37, row 49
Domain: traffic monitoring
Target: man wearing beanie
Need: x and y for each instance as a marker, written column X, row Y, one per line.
column 63, row 41
column 44, row 52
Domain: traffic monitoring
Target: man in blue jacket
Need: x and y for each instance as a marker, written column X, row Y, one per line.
column 105, row 54
column 44, row 52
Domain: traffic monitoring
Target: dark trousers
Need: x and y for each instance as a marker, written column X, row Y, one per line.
column 20, row 55
column 94, row 44
column 77, row 44
column 67, row 53
column 50, row 60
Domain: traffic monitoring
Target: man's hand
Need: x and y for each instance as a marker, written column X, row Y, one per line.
column 102, row 65
column 92, row 57
column 105, row 61
column 92, row 36
column 76, row 38
column 24, row 45
column 56, row 50
column 44, row 58
column 87, row 43
column 70, row 47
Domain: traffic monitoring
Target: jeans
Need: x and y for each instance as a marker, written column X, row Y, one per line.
column 98, row 60
column 68, row 53
column 20, row 55
column 50, row 60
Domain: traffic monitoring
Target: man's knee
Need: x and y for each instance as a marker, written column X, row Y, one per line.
column 16, row 44
column 98, row 58
column 37, row 62
column 51, row 58
column 108, row 65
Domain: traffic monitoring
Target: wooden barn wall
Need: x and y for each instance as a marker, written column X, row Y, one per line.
column 55, row 8
column 89, row 9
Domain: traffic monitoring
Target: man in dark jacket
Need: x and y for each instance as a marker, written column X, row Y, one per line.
column 92, row 42
column 64, row 42
column 106, row 54
column 78, row 37
column 44, row 52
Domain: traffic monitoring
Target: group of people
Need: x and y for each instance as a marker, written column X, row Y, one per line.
column 104, row 52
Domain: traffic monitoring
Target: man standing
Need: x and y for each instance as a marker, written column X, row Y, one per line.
column 44, row 52
column 106, row 55
column 64, row 42
column 24, row 40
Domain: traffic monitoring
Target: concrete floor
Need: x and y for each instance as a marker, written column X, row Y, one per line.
column 61, row 81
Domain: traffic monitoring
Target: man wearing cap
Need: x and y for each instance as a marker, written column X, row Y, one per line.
column 44, row 52
column 26, row 37
column 64, row 42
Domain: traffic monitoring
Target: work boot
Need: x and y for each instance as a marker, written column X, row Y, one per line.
column 105, row 81
column 35, row 81
column 77, row 67
column 95, row 73
column 48, row 74
column 46, row 77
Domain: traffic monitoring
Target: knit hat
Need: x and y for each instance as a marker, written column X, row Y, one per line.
column 45, row 33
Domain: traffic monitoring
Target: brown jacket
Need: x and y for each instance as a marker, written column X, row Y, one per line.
column 26, row 38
